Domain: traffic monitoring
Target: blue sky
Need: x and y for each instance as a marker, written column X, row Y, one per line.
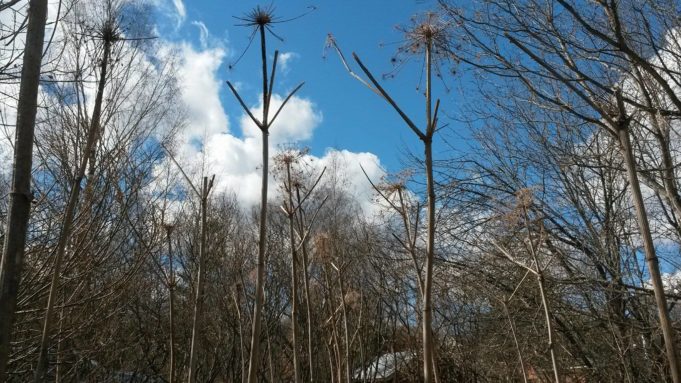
column 353, row 118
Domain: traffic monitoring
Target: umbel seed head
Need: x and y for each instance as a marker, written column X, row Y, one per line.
column 262, row 17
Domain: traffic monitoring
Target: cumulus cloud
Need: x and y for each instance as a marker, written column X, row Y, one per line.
column 350, row 165
column 200, row 89
column 207, row 145
column 296, row 121
column 285, row 59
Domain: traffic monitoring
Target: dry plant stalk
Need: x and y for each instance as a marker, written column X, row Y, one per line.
column 261, row 20
column 428, row 37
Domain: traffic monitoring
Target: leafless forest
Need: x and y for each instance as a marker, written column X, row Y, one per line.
column 547, row 250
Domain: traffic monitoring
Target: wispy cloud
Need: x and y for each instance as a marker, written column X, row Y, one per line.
column 181, row 11
column 203, row 33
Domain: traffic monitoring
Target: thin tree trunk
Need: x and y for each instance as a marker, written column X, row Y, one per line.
column 549, row 327
column 329, row 353
column 332, row 319
column 515, row 341
column 346, row 336
column 20, row 196
column 539, row 273
column 198, row 303
column 306, row 283
column 294, row 275
column 242, row 364
column 69, row 213
column 171, row 298
column 306, row 286
column 649, row 249
column 269, row 357
column 60, row 343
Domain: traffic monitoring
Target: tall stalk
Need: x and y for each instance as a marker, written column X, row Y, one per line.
column 20, row 197
column 421, row 39
column 254, row 359
column 428, row 357
column 261, row 19
column 515, row 340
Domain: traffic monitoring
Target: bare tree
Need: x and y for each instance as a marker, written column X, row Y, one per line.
column 287, row 166
column 109, row 35
column 579, row 64
column 534, row 242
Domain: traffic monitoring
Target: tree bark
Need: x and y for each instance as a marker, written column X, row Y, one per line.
column 19, row 207
column 346, row 331
column 198, row 302
column 649, row 249
column 171, row 313
column 515, row 341
column 294, row 275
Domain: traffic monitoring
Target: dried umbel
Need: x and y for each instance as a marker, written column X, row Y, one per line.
column 263, row 19
column 352, row 299
column 293, row 161
column 428, row 31
column 258, row 17
column 513, row 215
column 322, row 245
column 524, row 198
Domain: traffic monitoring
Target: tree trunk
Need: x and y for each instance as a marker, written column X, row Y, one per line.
column 242, row 360
column 306, row 287
column 306, row 283
column 346, row 336
column 515, row 341
column 198, row 303
column 20, row 197
column 294, row 276
column 649, row 249
column 549, row 327
column 171, row 298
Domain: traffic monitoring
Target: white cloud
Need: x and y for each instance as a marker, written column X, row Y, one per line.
column 296, row 121
column 181, row 11
column 207, row 145
column 203, row 33
column 200, row 89
column 350, row 165
column 285, row 59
